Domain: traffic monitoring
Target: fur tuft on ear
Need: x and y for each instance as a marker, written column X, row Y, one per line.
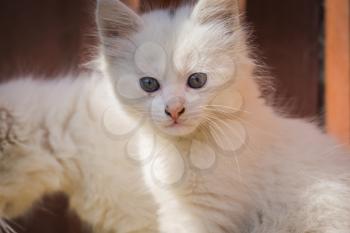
column 114, row 19
column 225, row 12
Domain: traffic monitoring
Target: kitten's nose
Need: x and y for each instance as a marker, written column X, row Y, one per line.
column 175, row 114
column 175, row 109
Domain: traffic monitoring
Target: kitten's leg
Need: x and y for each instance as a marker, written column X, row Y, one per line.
column 200, row 211
column 27, row 171
column 199, row 203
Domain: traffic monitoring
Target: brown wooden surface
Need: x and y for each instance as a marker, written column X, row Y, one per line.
column 148, row 5
column 242, row 4
column 43, row 36
column 287, row 35
column 338, row 68
column 134, row 4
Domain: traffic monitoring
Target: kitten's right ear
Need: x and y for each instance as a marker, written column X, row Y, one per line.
column 114, row 19
column 222, row 12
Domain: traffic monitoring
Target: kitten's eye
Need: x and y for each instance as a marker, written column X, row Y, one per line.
column 197, row 80
column 149, row 84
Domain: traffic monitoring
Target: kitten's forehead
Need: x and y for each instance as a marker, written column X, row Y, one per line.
column 162, row 25
column 163, row 28
column 174, row 36
column 172, row 29
column 160, row 36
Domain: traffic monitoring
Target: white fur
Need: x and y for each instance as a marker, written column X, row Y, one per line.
column 60, row 146
column 275, row 175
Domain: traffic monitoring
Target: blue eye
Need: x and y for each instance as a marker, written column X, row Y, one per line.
column 197, row 80
column 149, row 84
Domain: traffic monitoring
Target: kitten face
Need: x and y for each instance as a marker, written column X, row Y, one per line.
column 171, row 67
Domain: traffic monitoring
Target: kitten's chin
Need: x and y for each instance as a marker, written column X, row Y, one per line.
column 178, row 130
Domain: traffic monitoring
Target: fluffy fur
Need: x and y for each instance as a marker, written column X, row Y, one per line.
column 231, row 164
column 54, row 142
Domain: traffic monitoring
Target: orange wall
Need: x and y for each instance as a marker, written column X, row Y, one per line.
column 338, row 69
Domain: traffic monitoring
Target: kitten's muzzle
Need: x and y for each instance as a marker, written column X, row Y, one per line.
column 175, row 109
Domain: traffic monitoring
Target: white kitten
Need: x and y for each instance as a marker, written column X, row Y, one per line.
column 223, row 160
column 181, row 142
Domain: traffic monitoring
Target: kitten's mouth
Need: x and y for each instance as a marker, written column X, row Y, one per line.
column 175, row 124
column 178, row 128
column 178, row 123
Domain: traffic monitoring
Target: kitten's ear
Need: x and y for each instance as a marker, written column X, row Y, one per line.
column 224, row 12
column 114, row 19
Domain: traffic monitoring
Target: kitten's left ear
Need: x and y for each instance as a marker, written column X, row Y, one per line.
column 114, row 19
column 224, row 12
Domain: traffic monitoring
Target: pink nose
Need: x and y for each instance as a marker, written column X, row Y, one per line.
column 175, row 109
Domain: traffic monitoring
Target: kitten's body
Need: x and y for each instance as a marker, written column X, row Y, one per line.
column 59, row 145
column 286, row 177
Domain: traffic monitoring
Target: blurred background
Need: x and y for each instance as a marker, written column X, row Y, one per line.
column 305, row 46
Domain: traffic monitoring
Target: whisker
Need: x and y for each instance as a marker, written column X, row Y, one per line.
column 238, row 168
column 223, row 134
column 246, row 122
column 223, row 107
